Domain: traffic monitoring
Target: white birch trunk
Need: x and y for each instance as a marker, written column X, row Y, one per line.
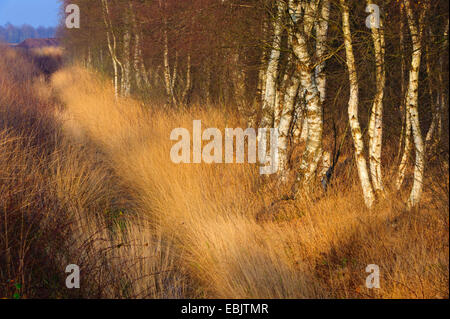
column 412, row 102
column 321, row 37
column 376, row 118
column 271, row 74
column 405, row 155
column 141, row 76
column 320, row 76
column 406, row 123
column 285, row 123
column 313, row 148
column 111, row 41
column 326, row 164
column 168, row 79
column 353, row 102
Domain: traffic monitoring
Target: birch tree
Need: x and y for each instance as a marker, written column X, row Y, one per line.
column 321, row 37
column 293, row 106
column 112, row 45
column 169, row 78
column 353, row 102
column 406, row 150
column 286, row 118
column 412, row 99
column 303, row 17
column 271, row 74
column 140, row 72
column 320, row 76
column 376, row 118
column 406, row 123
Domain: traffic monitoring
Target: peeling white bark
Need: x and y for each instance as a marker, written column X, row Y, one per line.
column 376, row 119
column 306, row 70
column 321, row 37
column 353, row 102
column 413, row 100
column 271, row 74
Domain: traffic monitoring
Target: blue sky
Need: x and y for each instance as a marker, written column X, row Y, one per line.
column 32, row 12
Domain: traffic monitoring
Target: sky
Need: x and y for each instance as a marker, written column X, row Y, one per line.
column 33, row 12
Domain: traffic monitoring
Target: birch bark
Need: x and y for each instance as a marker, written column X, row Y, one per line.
column 306, row 70
column 353, row 102
column 141, row 76
column 168, row 78
column 112, row 44
column 286, row 118
column 126, row 77
column 406, row 123
column 413, row 100
column 376, row 118
column 270, row 88
column 406, row 151
column 321, row 35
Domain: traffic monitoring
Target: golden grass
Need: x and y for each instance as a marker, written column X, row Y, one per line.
column 60, row 203
column 307, row 250
column 201, row 207
column 143, row 227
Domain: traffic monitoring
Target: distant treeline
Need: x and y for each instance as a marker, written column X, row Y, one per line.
column 14, row 34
